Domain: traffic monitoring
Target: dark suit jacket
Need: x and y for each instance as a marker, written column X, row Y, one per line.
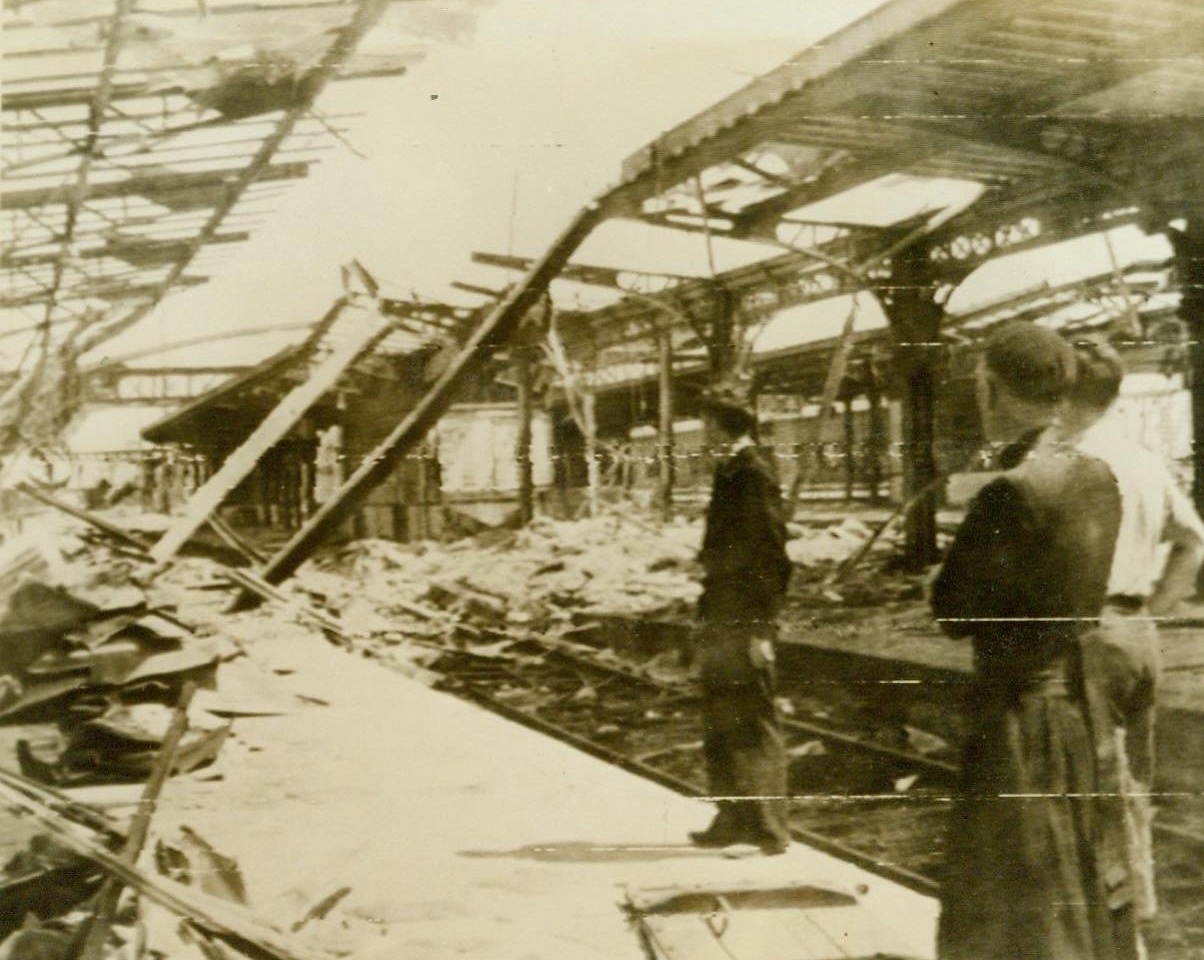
column 744, row 547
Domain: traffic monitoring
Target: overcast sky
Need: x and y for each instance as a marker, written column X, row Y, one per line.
column 538, row 106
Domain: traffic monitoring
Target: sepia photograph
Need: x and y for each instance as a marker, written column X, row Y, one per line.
column 602, row 479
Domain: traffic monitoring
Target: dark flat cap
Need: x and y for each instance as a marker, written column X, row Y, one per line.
column 733, row 394
column 1032, row 362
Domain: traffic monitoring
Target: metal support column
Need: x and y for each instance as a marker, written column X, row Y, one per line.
column 664, row 450
column 850, row 447
column 876, row 440
column 523, row 363
column 915, row 321
column 1189, row 270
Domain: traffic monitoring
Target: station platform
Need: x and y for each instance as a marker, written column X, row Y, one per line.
column 902, row 645
column 460, row 833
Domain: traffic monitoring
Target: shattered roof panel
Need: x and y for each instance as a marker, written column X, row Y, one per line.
column 1003, row 93
column 144, row 141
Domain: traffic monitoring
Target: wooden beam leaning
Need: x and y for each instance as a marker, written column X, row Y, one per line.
column 249, row 582
column 110, row 530
column 496, row 328
column 269, row 432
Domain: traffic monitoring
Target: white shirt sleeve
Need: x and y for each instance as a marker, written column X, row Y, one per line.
column 1182, row 521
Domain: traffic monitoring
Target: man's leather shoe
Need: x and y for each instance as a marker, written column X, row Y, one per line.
column 715, row 837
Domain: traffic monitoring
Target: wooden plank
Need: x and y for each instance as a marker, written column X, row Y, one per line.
column 270, row 432
column 681, row 938
column 494, row 330
column 856, row 932
column 96, row 930
column 213, row 915
column 765, row 935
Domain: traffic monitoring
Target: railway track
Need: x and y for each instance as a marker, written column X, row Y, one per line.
column 649, row 727
column 861, row 799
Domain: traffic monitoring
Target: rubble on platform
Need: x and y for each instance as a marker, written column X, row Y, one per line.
column 98, row 648
column 117, row 681
column 552, row 572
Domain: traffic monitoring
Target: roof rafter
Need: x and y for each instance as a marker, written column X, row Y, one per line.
column 152, row 186
column 366, row 14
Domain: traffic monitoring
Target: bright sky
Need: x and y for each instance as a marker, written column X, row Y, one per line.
column 498, row 136
column 533, row 113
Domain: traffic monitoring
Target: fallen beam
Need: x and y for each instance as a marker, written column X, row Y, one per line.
column 269, row 432
column 105, row 905
column 114, row 532
column 233, row 540
column 226, row 920
column 493, row 331
column 242, row 578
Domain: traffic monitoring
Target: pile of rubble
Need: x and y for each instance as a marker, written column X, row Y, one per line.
column 88, row 653
column 122, row 673
column 112, row 681
column 542, row 574
column 548, row 574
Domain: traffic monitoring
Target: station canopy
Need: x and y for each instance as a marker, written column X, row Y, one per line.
column 982, row 128
column 144, row 140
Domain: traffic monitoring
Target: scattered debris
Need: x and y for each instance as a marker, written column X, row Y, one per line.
column 833, row 543
column 120, row 745
column 189, row 859
column 903, row 784
column 320, row 909
column 809, row 748
column 207, row 916
column 38, row 880
column 924, row 742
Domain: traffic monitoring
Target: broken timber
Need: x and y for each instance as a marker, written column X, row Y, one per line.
column 493, row 331
column 105, row 905
column 249, row 581
column 233, row 540
column 112, row 531
column 269, row 432
column 226, row 920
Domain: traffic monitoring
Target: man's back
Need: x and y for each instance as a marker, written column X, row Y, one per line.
column 744, row 545
column 1154, row 510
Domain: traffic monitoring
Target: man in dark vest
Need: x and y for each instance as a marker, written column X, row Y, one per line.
column 745, row 574
column 1024, row 579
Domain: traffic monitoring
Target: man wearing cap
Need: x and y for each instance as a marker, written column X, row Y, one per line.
column 1024, row 578
column 745, row 574
column 1121, row 657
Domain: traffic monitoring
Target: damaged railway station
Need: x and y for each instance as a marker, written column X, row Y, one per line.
column 382, row 640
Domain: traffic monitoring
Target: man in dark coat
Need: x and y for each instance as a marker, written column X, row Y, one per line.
column 745, row 574
column 1024, row 579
